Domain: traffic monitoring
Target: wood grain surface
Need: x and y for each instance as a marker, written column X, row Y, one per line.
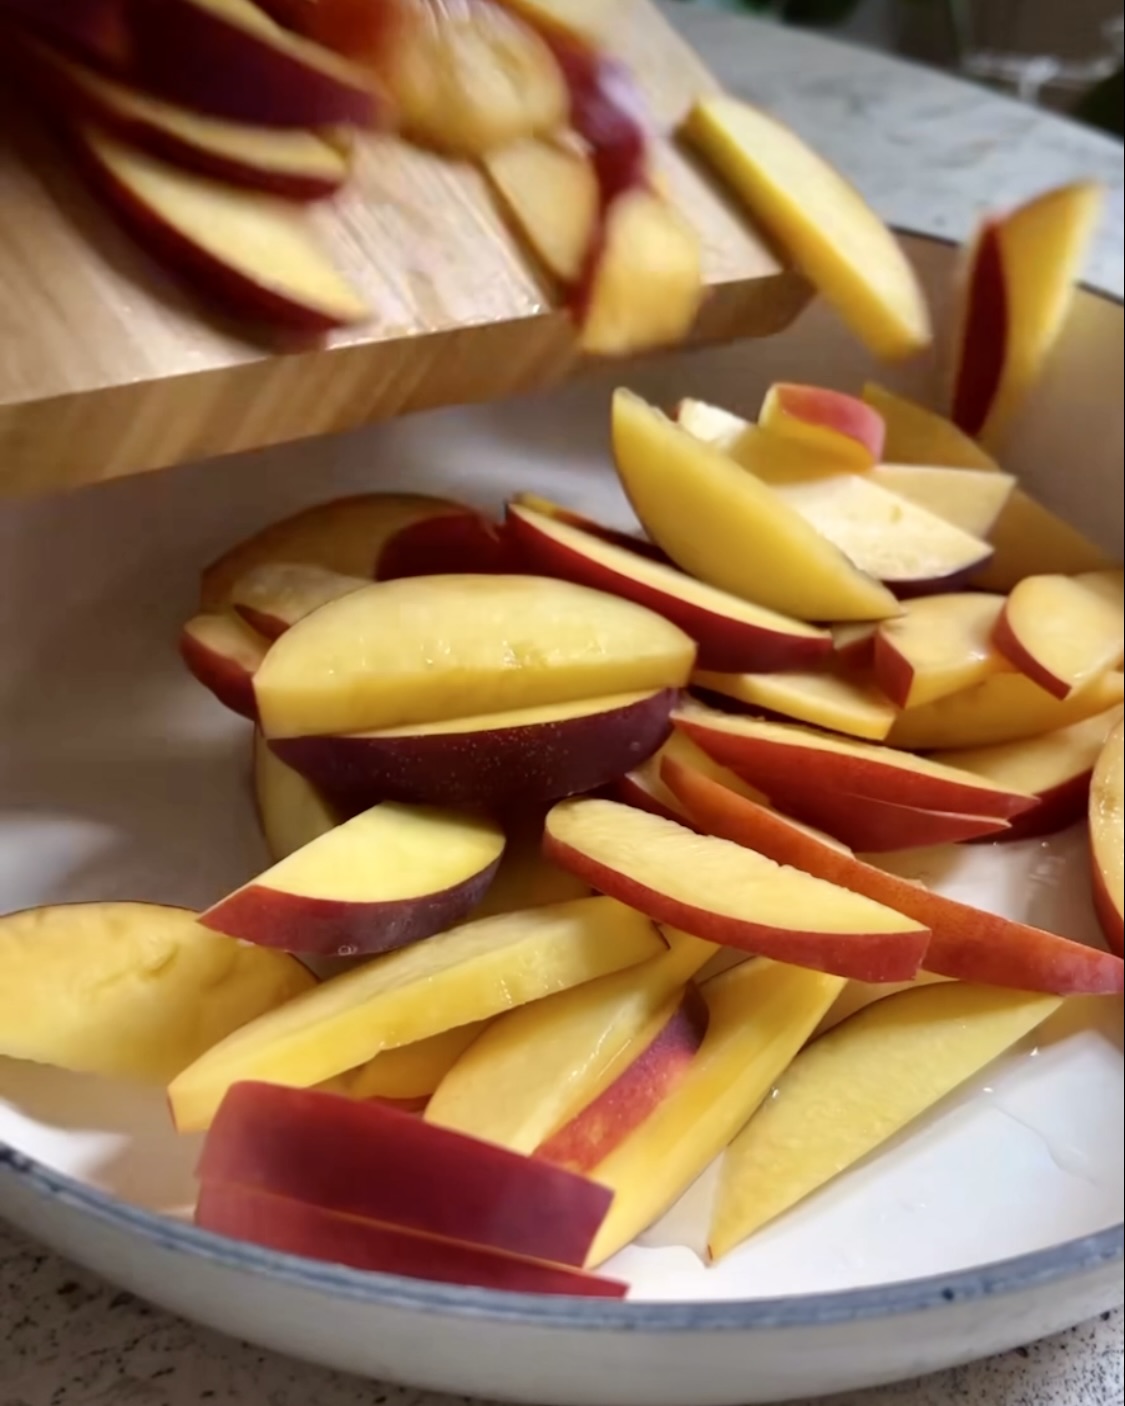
column 108, row 366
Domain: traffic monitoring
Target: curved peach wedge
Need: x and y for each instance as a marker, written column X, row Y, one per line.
column 937, row 646
column 274, row 596
column 1062, row 631
column 224, row 653
column 1107, row 837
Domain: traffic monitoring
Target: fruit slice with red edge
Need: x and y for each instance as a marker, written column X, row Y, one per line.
column 494, row 760
column 882, row 827
column 1107, row 837
column 1056, row 768
column 345, row 535
column 538, row 1067
column 645, row 789
column 971, row 500
column 442, row 544
column 367, row 1160
column 229, row 59
column 129, row 990
column 223, row 653
column 966, row 943
column 760, row 1014
column 1030, row 540
column 253, row 251
column 835, row 1105
column 390, row 877
column 822, row 222
column 725, row 894
column 273, row 596
column 939, row 645
column 841, row 699
column 1062, row 631
column 296, row 1228
column 549, row 189
column 723, row 526
column 291, row 811
column 1018, row 290
column 411, row 1071
column 631, row 542
column 843, row 429
column 781, row 754
column 468, row 974
column 434, row 648
column 731, row 633
column 916, row 434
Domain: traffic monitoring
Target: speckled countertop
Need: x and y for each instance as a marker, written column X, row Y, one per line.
column 930, row 153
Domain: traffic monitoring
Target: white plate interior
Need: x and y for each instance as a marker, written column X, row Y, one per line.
column 120, row 778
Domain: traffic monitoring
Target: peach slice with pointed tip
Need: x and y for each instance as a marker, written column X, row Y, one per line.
column 224, row 653
column 840, row 427
column 1030, row 540
column 939, row 645
column 1063, row 631
column 839, row 700
column 550, row 190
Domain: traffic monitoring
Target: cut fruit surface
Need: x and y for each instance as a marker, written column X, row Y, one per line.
column 1061, row 631
column 1030, row 540
column 857, row 1086
column 725, row 894
column 646, row 790
column 939, row 645
column 882, row 827
column 971, row 500
column 428, row 649
column 536, row 1068
column 725, row 527
column 224, row 653
column 131, row 990
column 292, row 812
column 1107, row 837
column 632, row 542
column 272, row 597
column 837, row 426
column 966, row 943
column 367, row 1160
column 550, row 190
column 838, row 700
column 730, row 632
column 390, row 877
column 832, row 234
column 525, row 878
column 412, row 1071
column 467, row 974
column 918, row 435
column 760, row 1015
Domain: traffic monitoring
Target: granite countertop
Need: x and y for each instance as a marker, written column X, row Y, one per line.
column 930, row 153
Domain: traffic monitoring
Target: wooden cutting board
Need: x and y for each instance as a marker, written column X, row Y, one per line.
column 109, row 367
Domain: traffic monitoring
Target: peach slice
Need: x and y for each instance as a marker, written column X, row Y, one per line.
column 760, row 1015
column 550, row 191
column 855, row 645
column 346, row 535
column 1056, row 768
column 494, row 760
column 253, row 251
column 725, row 527
column 858, row 995
column 939, row 645
column 882, row 827
column 832, row 234
column 1018, row 291
column 966, row 943
column 918, row 435
column 1030, row 540
column 1107, row 837
column 1063, row 631
column 969, row 499
column 463, row 542
column 468, row 974
column 387, row 878
column 835, row 1104
column 273, row 596
column 731, row 633
column 1003, row 708
column 412, row 1071
column 538, row 1067
column 229, row 59
column 224, row 653
column 662, row 1057
column 841, row 701
column 291, row 811
column 129, row 990
column 725, row 894
column 630, row 541
column 469, row 77
column 783, row 754
column 840, row 427
column 370, row 1161
column 431, row 649
column 645, row 788
column 295, row 1228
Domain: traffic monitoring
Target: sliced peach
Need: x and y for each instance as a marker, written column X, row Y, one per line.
column 882, row 827
column 835, row 1104
column 292, row 812
column 550, row 190
column 731, row 633
column 840, row 700
column 855, row 644
column 633, row 542
column 939, row 645
column 1003, row 708
column 538, row 1067
column 1063, row 631
column 515, row 759
column 840, row 427
column 858, row 995
column 430, row 649
column 412, row 1071
column 468, row 974
column 130, row 990
column 1107, row 837
column 969, row 499
column 966, row 944
column 832, row 234
column 224, row 653
column 725, row 527
column 645, row 788
column 917, row 435
column 1030, row 540
column 760, row 1015
column 727, row 895
column 438, row 544
column 387, row 878
column 273, row 596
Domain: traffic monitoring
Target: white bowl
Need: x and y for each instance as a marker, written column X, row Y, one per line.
column 997, row 1222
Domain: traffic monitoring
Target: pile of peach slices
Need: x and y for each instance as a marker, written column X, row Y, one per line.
column 578, row 839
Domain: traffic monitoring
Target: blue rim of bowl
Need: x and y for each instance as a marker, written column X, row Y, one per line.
column 1040, row 1269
